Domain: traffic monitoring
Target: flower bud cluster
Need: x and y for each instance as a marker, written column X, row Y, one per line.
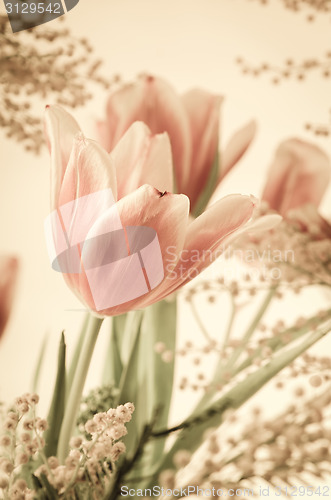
column 44, row 62
column 250, row 449
column 90, row 462
column 21, row 439
column 88, row 466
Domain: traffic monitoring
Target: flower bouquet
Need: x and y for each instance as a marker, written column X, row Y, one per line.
column 136, row 217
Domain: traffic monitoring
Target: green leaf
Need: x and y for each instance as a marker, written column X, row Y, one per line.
column 51, row 492
column 159, row 325
column 130, row 385
column 208, row 189
column 56, row 411
column 191, row 436
column 36, row 375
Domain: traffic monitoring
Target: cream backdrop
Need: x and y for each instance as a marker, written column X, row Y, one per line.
column 191, row 43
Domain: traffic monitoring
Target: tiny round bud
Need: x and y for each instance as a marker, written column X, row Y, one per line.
column 21, row 484
column 42, row 425
column 159, row 347
column 182, row 458
column 5, row 441
column 315, row 380
column 22, row 458
column 6, row 466
column 167, row 356
column 130, row 407
column 4, row 482
column 76, row 442
column 53, row 462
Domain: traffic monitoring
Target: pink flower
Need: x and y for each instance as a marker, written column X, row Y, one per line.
column 308, row 220
column 138, row 173
column 8, row 278
column 192, row 124
column 299, row 174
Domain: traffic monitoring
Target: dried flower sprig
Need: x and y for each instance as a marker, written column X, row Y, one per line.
column 98, row 400
column 298, row 71
column 87, row 468
column 289, row 69
column 316, row 6
column 42, row 62
column 284, row 450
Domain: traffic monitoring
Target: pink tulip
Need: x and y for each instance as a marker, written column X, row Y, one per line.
column 190, row 120
column 299, row 174
column 138, row 173
column 308, row 220
column 8, row 278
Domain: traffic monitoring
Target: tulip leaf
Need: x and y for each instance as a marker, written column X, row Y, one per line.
column 159, row 326
column 36, row 375
column 56, row 412
column 191, row 435
column 129, row 388
column 208, row 189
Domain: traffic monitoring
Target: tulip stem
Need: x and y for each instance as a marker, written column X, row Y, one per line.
column 76, row 389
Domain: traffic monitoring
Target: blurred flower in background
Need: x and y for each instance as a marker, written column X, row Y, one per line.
column 8, row 277
column 42, row 62
column 299, row 174
column 191, row 121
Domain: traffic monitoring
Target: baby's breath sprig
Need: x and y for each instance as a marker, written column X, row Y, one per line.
column 87, row 469
column 97, row 401
column 297, row 70
column 312, row 6
column 21, row 439
column 42, row 62
column 252, row 450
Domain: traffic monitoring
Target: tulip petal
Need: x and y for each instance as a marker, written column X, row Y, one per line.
column 154, row 102
column 8, row 278
column 166, row 213
column 299, row 174
column 90, row 169
column 140, row 158
column 203, row 110
column 236, row 147
column 60, row 129
column 204, row 238
column 218, row 222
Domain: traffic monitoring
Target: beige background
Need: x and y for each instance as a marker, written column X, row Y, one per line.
column 191, row 43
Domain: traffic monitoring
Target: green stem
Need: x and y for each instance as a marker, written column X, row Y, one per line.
column 77, row 387
column 230, row 324
column 199, row 322
column 221, row 369
column 252, row 327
